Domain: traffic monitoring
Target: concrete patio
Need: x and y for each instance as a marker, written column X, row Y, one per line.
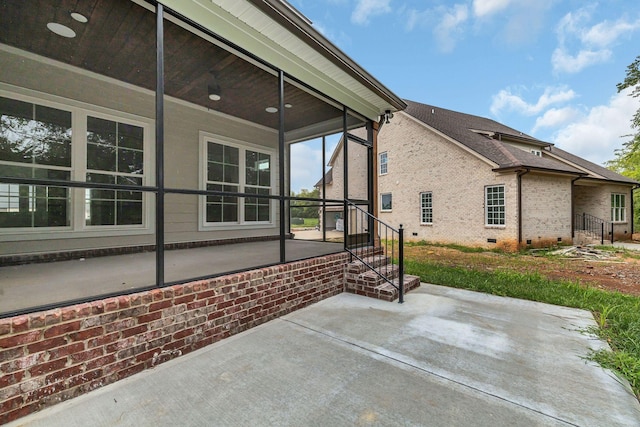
column 446, row 357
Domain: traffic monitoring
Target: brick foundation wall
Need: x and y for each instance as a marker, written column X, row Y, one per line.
column 52, row 356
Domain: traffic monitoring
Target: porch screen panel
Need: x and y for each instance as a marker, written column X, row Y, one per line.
column 77, row 123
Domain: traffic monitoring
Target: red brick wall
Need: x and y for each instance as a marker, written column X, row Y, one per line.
column 51, row 356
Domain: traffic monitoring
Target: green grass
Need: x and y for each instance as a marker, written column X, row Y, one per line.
column 310, row 222
column 617, row 315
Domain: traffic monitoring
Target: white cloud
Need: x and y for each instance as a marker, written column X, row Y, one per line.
column 368, row 8
column 505, row 100
column 450, row 26
column 591, row 44
column 598, row 133
column 306, row 166
column 606, row 33
column 555, row 117
column 488, row 7
column 565, row 62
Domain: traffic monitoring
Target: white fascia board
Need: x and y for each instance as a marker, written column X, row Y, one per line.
column 244, row 25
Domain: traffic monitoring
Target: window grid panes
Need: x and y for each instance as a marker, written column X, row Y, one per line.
column 618, row 208
column 495, row 205
column 383, row 163
column 426, row 208
column 114, row 149
column 227, row 173
column 385, row 202
column 35, row 142
column 257, row 181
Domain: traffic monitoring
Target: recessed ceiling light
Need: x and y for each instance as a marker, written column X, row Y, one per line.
column 288, row 105
column 61, row 30
column 271, row 110
column 214, row 97
column 79, row 17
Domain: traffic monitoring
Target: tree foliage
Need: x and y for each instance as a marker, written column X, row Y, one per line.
column 305, row 208
column 627, row 158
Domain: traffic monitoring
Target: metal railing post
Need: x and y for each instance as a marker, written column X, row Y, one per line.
column 602, row 233
column 401, row 265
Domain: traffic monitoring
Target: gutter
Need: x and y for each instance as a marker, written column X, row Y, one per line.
column 520, row 175
column 298, row 24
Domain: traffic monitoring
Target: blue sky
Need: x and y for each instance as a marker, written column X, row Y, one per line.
column 548, row 68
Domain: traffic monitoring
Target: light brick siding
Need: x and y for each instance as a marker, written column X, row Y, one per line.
column 421, row 160
column 596, row 201
column 546, row 208
column 51, row 356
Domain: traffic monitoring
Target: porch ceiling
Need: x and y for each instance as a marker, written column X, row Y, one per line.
column 118, row 41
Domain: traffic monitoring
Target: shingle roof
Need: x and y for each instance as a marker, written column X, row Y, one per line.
column 328, row 178
column 484, row 136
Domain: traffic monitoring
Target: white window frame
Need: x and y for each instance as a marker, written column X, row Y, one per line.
column 79, row 113
column 488, row 207
column 618, row 210
column 536, row 152
column 426, row 207
column 384, row 165
column 381, row 203
column 243, row 147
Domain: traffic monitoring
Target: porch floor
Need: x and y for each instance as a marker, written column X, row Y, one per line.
column 34, row 285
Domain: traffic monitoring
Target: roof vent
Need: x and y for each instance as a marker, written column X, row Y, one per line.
column 433, row 111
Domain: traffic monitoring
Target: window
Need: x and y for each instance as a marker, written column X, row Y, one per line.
column 426, row 208
column 114, row 156
column 35, row 142
column 618, row 211
column 385, row 202
column 227, row 173
column 494, row 205
column 383, row 163
column 537, row 153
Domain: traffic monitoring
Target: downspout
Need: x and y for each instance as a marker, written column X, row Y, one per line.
column 573, row 214
column 520, row 175
column 633, row 211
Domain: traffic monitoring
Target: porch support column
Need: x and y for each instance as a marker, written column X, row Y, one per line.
column 345, row 167
column 281, row 165
column 370, row 191
column 159, row 145
column 324, row 189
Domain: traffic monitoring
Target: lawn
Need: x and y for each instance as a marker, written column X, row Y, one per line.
column 617, row 315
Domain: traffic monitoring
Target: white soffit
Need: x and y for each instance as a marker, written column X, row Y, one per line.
column 245, row 25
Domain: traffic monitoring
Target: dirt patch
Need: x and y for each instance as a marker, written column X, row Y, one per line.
column 620, row 273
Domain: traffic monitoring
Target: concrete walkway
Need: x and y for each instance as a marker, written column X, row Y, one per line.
column 446, row 357
column 632, row 246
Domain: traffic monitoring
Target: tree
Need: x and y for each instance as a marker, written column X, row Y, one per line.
column 305, row 208
column 627, row 158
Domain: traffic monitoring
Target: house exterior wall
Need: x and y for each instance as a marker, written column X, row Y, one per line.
column 421, row 160
column 546, row 208
column 51, row 356
column 596, row 200
column 46, row 80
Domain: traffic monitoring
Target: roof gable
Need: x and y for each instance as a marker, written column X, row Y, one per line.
column 495, row 141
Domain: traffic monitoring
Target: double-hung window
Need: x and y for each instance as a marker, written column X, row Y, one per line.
column 494, row 205
column 115, row 155
column 234, row 168
column 384, row 161
column 51, row 141
column 618, row 208
column 426, row 208
column 35, row 142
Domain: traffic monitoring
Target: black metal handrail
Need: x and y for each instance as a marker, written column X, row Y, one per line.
column 594, row 225
column 363, row 235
